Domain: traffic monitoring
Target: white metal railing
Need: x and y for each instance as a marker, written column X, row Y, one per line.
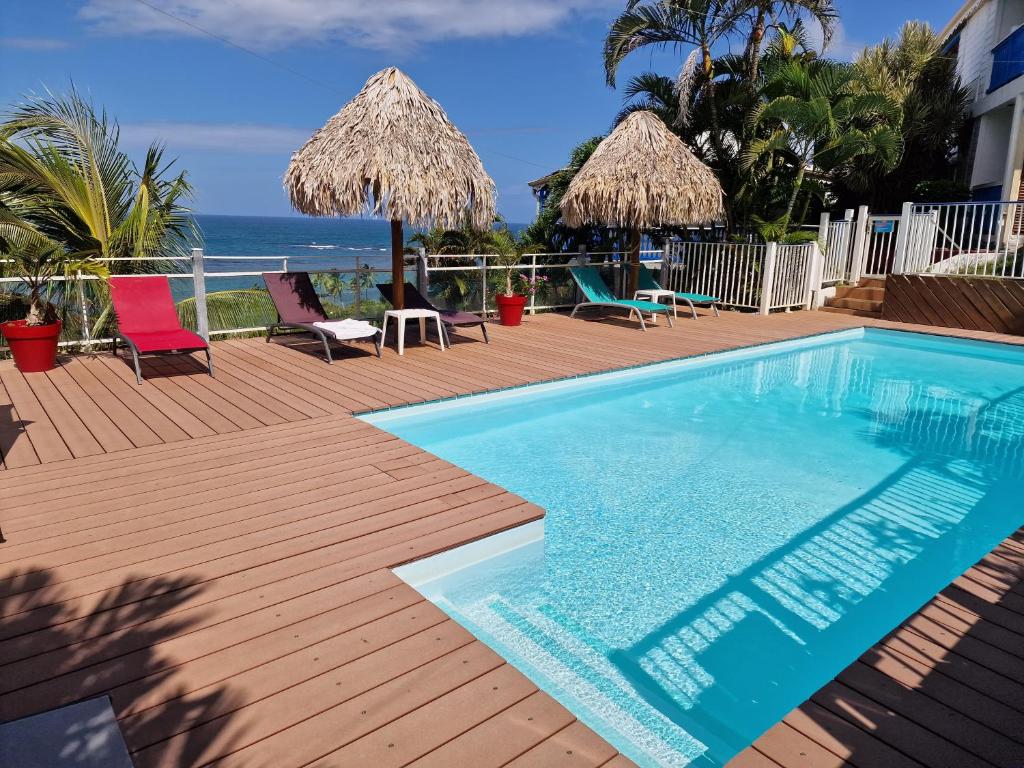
column 985, row 238
column 838, row 244
column 198, row 277
column 746, row 275
column 742, row 275
column 559, row 292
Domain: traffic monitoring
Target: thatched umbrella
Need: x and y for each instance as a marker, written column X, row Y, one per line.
column 393, row 152
column 640, row 177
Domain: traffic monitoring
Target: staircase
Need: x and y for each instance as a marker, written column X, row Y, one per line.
column 863, row 300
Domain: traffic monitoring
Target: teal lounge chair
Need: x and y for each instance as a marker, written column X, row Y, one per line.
column 596, row 290
column 648, row 283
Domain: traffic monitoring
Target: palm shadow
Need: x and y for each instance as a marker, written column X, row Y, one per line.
column 58, row 649
column 12, row 430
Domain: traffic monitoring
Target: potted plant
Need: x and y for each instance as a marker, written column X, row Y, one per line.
column 509, row 251
column 36, row 260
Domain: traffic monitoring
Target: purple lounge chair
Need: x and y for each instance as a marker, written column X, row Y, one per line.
column 299, row 307
column 450, row 318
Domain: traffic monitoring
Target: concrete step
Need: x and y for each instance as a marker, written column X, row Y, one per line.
column 864, row 305
column 854, row 312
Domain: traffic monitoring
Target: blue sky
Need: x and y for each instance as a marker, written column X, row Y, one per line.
column 522, row 78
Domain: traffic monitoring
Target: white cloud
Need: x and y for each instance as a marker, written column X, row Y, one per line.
column 387, row 24
column 245, row 138
column 840, row 46
column 33, row 43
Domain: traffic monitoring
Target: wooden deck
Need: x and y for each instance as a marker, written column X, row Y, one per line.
column 254, row 619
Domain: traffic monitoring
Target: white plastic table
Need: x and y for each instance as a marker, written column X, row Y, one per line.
column 656, row 295
column 401, row 315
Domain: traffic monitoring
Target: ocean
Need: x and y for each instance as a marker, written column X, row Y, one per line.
column 270, row 243
column 300, row 243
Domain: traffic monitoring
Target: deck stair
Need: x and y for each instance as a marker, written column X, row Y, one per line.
column 862, row 300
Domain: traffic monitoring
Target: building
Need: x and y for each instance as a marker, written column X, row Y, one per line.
column 541, row 187
column 987, row 39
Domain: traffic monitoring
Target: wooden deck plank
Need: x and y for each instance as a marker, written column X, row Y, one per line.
column 503, row 737
column 100, row 426
column 65, row 419
column 575, row 746
column 41, row 431
column 253, row 620
column 15, row 446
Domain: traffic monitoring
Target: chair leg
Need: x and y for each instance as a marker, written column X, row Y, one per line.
column 327, row 348
column 138, row 368
column 483, row 327
column 640, row 317
column 715, row 307
column 378, row 341
column 270, row 332
column 209, row 362
column 445, row 337
column 440, row 331
column 668, row 316
column 693, row 309
column 116, row 339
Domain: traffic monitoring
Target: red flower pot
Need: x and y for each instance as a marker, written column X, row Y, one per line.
column 34, row 347
column 510, row 308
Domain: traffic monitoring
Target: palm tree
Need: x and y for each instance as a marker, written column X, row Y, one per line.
column 934, row 106
column 815, row 117
column 64, row 179
column 651, row 92
column 701, row 24
column 61, row 160
column 765, row 14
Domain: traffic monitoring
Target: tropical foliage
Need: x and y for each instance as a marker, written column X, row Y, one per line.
column 787, row 130
column 70, row 196
column 933, row 109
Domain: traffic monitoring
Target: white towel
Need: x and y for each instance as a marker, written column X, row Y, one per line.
column 348, row 329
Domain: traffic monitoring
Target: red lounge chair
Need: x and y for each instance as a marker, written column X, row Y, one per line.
column 147, row 321
column 299, row 307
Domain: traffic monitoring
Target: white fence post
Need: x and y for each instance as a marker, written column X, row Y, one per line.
column 768, row 277
column 422, row 276
column 902, row 238
column 85, row 332
column 815, row 266
column 199, row 287
column 357, row 293
column 483, row 287
column 860, row 245
column 533, row 283
column 666, row 266
column 823, row 224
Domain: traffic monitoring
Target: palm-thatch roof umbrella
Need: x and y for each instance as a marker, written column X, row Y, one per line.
column 640, row 177
column 392, row 151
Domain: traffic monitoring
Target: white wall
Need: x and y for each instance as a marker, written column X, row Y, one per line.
column 1011, row 16
column 977, row 38
column 993, row 146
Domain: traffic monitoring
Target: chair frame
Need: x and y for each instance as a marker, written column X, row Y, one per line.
column 616, row 305
column 136, row 354
column 320, row 334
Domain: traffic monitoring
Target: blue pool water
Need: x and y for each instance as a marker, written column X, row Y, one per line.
column 724, row 535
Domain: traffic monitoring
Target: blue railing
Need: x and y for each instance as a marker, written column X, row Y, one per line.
column 1008, row 60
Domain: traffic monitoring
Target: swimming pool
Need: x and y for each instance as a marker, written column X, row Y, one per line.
column 725, row 534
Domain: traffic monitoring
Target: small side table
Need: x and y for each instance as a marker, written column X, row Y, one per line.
column 656, row 295
column 401, row 315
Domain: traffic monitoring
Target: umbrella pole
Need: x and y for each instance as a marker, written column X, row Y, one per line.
column 634, row 263
column 397, row 266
